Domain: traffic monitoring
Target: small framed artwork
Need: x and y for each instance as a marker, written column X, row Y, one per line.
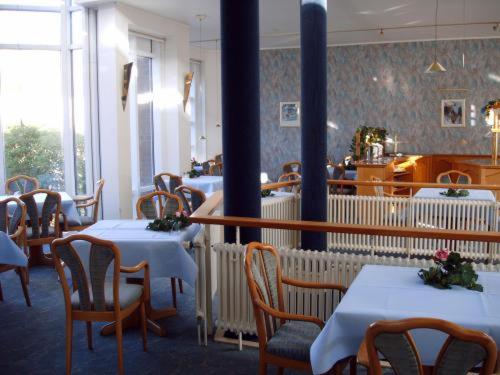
column 453, row 113
column 290, row 114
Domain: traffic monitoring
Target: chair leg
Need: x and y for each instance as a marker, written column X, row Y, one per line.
column 280, row 371
column 89, row 335
column 144, row 327
column 262, row 368
column 352, row 366
column 181, row 289
column 69, row 342
column 174, row 291
column 23, row 277
column 119, row 342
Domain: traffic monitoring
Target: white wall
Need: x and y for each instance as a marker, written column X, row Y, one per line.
column 115, row 21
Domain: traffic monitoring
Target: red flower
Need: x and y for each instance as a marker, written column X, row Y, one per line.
column 441, row 255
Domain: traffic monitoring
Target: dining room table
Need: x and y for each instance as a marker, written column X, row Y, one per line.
column 393, row 293
column 164, row 252
column 474, row 194
column 207, row 184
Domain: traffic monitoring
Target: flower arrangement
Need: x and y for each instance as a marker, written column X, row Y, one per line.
column 368, row 135
column 454, row 193
column 266, row 193
column 492, row 104
column 450, row 269
column 170, row 222
column 196, row 169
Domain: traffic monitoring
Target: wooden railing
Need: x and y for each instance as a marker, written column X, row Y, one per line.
column 204, row 215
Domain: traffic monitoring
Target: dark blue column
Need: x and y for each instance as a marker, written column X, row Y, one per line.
column 313, row 110
column 240, row 113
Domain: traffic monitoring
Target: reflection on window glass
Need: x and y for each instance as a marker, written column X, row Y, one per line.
column 30, row 27
column 31, row 116
column 78, row 121
column 77, row 27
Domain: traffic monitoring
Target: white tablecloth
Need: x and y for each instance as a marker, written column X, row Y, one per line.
column 483, row 195
column 68, row 205
column 10, row 253
column 162, row 250
column 207, row 184
column 386, row 293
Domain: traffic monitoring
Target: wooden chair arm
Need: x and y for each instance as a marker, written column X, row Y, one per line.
column 88, row 204
column 142, row 265
column 82, row 198
column 312, row 285
column 287, row 316
column 17, row 234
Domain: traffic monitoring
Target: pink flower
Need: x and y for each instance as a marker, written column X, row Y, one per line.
column 185, row 213
column 441, row 255
column 178, row 214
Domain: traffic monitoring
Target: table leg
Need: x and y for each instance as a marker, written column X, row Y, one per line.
column 37, row 257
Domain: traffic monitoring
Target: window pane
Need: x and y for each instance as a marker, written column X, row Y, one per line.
column 30, row 27
column 77, row 27
column 31, row 116
column 145, row 119
column 78, row 121
column 50, row 3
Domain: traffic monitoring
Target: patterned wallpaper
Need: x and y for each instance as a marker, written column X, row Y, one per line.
column 384, row 85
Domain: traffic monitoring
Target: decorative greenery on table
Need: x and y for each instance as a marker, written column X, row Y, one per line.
column 196, row 169
column 368, row 135
column 266, row 193
column 170, row 222
column 492, row 104
column 454, row 193
column 450, row 269
column 194, row 173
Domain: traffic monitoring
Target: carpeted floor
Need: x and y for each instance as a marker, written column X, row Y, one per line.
column 32, row 339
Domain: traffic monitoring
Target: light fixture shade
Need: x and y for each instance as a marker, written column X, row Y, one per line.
column 435, row 67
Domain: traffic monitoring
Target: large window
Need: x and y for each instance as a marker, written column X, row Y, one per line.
column 43, row 64
column 195, row 112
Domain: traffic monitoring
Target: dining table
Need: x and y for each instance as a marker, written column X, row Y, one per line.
column 474, row 194
column 207, row 184
column 68, row 205
column 393, row 293
column 164, row 252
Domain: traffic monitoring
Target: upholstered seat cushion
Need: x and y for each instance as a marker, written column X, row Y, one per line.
column 129, row 293
column 29, row 232
column 293, row 340
column 85, row 220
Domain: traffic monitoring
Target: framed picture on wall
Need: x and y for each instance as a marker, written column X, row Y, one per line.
column 453, row 113
column 290, row 114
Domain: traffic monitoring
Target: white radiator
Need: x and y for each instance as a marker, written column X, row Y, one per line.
column 282, row 208
column 235, row 311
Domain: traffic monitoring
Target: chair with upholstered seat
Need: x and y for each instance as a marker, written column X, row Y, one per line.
column 93, row 298
column 454, row 177
column 157, row 205
column 206, row 166
column 196, row 198
column 15, row 226
column 284, row 339
column 292, row 166
column 43, row 226
column 21, row 184
column 215, row 170
column 85, row 203
column 287, row 177
column 463, row 350
column 174, row 181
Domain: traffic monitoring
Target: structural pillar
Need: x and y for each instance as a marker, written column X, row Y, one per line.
column 240, row 114
column 313, row 117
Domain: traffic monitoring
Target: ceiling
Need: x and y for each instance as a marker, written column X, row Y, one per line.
column 279, row 19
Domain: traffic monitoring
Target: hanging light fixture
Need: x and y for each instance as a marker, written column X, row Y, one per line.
column 435, row 67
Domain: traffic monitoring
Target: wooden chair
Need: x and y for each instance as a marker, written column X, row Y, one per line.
column 292, row 166
column 284, row 339
column 216, row 169
column 86, row 203
column 98, row 300
column 291, row 176
column 453, row 177
column 462, row 351
column 15, row 227
column 174, row 181
column 21, row 184
column 43, row 227
column 157, row 205
column 339, row 174
column 197, row 198
column 206, row 166
column 218, row 159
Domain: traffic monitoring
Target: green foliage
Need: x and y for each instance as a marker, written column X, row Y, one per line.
column 368, row 135
column 454, row 193
column 266, row 193
column 194, row 173
column 169, row 223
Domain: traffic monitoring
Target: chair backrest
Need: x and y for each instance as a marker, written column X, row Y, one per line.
column 216, row 169
column 263, row 271
column 21, row 184
column 102, row 253
column 338, row 173
column 379, row 190
column 218, row 158
column 206, row 166
column 10, row 224
column 292, row 166
column 453, row 177
column 157, row 205
column 174, row 182
column 196, row 196
column 463, row 350
column 51, row 208
column 291, row 176
column 97, row 199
